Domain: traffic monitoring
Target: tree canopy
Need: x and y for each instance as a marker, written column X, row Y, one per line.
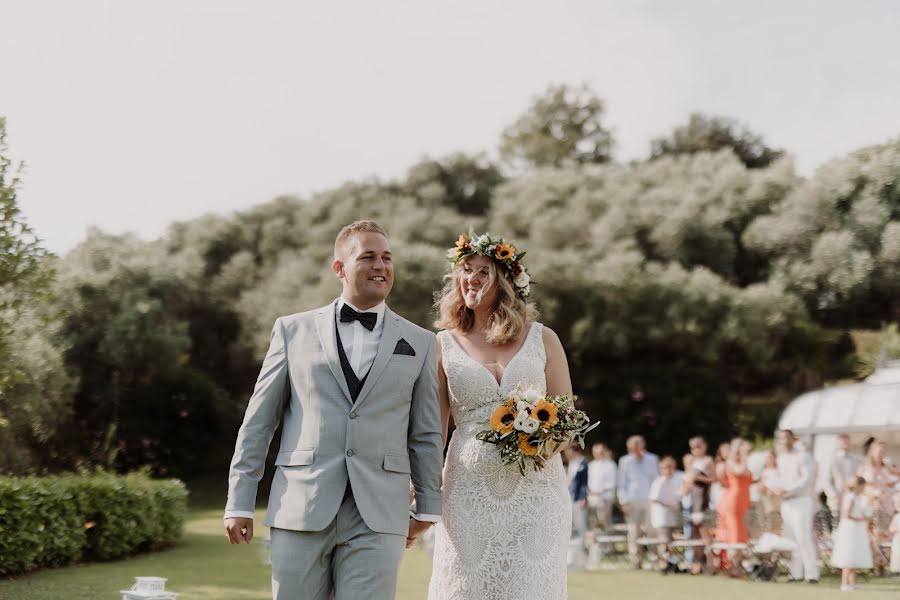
column 695, row 292
column 563, row 126
column 704, row 133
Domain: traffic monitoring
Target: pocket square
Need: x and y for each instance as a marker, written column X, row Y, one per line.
column 403, row 347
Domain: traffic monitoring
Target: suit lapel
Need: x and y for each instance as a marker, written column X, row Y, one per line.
column 327, row 337
column 389, row 338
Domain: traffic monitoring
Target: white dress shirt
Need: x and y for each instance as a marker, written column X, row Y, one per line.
column 796, row 471
column 360, row 344
column 842, row 469
column 602, row 479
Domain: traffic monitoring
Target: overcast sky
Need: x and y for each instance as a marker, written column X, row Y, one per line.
column 131, row 115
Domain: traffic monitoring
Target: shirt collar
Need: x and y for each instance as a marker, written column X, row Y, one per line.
column 378, row 309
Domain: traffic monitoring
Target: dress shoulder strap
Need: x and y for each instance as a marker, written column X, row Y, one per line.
column 448, row 346
column 535, row 338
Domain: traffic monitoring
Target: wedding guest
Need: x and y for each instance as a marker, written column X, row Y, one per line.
column 881, row 477
column 687, row 528
column 715, row 490
column 769, row 497
column 701, row 474
column 665, row 503
column 735, row 500
column 636, row 472
column 843, row 468
column 601, row 487
column 577, row 472
column 894, row 530
column 852, row 549
column 755, row 520
column 796, row 473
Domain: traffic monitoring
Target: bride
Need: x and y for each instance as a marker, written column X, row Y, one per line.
column 502, row 536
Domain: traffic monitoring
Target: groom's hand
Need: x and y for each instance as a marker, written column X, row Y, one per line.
column 239, row 530
column 416, row 528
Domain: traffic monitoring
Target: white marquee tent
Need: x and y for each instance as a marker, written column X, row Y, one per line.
column 864, row 410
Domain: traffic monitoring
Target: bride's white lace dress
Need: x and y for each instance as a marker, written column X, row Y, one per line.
column 501, row 536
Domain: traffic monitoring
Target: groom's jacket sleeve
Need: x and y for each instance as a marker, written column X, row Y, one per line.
column 424, row 438
column 260, row 420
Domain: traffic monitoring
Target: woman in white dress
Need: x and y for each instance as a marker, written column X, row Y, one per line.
column 502, row 536
column 852, row 548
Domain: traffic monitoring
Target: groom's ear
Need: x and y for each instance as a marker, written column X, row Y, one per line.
column 338, row 267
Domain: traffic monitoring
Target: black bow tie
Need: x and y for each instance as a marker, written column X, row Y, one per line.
column 366, row 319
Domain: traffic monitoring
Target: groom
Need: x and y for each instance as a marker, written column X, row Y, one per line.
column 355, row 389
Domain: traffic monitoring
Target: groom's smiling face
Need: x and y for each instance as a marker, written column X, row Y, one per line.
column 365, row 267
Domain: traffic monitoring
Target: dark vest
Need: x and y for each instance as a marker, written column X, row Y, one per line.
column 354, row 383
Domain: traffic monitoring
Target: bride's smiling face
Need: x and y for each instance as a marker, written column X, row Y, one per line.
column 475, row 282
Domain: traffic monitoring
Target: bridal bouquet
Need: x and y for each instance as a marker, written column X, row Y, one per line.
column 528, row 426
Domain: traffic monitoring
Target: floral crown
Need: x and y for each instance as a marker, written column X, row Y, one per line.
column 470, row 244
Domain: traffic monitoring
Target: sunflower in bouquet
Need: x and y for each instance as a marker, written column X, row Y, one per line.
column 528, row 426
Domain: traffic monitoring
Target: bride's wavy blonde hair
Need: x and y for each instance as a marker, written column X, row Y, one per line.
column 510, row 315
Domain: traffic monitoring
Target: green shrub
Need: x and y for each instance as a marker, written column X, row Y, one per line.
column 50, row 521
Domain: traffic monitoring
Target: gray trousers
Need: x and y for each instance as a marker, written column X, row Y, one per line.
column 344, row 561
column 638, row 521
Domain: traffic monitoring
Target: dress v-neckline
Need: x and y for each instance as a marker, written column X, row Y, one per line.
column 498, row 383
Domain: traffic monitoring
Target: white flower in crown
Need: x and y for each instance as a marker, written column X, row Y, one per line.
column 523, row 406
column 497, row 249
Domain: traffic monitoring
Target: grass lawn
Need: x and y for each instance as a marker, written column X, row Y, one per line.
column 203, row 566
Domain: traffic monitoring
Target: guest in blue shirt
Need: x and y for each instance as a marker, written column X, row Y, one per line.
column 637, row 470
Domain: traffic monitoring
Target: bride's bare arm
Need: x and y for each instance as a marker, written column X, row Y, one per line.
column 556, row 372
column 559, row 382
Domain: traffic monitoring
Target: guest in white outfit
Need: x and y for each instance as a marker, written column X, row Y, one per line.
column 769, row 489
column 601, row 487
column 852, row 549
column 895, row 532
column 796, row 472
column 843, row 468
column 637, row 470
column 665, row 504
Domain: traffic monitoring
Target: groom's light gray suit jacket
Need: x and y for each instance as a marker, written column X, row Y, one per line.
column 391, row 433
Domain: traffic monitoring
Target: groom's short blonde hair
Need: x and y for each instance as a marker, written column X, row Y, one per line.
column 347, row 231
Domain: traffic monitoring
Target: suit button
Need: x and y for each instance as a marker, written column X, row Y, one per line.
column 353, row 415
column 349, row 452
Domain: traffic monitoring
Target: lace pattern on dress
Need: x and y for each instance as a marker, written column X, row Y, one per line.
column 502, row 536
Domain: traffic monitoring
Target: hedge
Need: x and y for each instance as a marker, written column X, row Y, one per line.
column 52, row 521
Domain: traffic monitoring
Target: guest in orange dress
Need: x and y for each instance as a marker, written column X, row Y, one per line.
column 735, row 500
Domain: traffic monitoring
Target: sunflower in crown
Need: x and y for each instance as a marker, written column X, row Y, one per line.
column 497, row 249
